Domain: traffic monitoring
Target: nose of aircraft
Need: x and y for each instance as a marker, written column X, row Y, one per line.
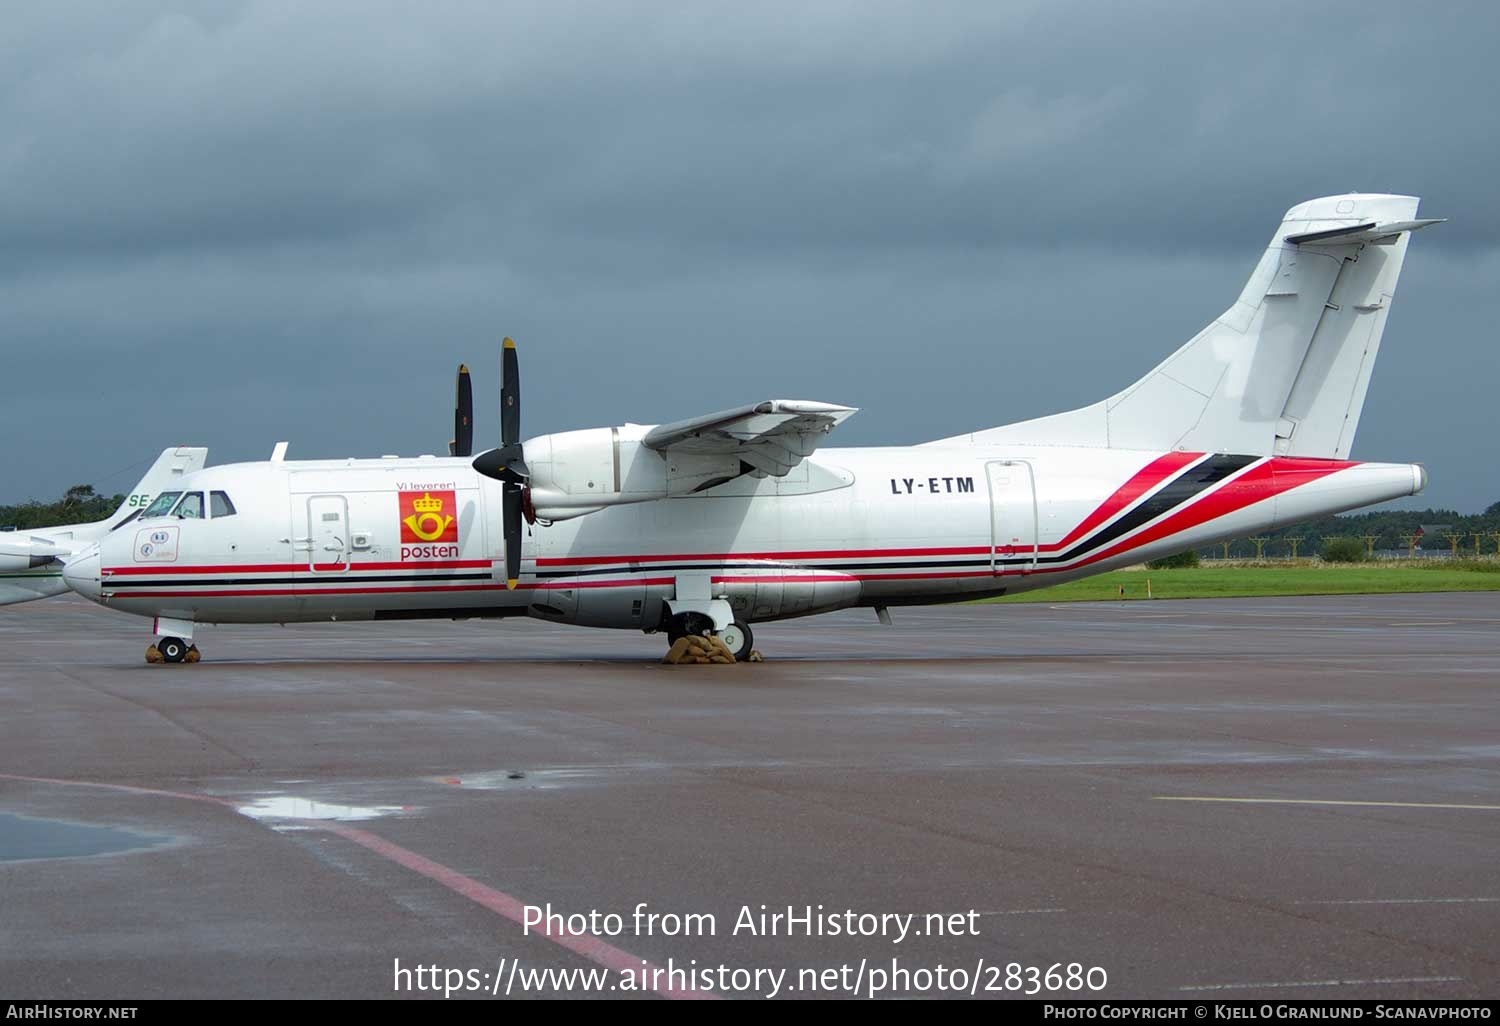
column 82, row 573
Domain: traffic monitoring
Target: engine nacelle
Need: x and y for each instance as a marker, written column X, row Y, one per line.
column 578, row 472
column 25, row 553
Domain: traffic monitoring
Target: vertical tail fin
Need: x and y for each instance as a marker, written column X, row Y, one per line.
column 1284, row 370
column 172, row 465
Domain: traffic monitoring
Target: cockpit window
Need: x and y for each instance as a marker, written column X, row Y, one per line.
column 220, row 504
column 191, row 507
column 161, row 504
column 134, row 516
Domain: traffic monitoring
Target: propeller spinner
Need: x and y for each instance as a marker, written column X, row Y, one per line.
column 507, row 464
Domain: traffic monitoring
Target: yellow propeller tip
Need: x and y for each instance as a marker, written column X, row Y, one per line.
column 509, row 343
column 463, row 368
column 511, row 583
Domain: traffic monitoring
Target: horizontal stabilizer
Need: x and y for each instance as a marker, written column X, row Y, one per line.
column 1356, row 233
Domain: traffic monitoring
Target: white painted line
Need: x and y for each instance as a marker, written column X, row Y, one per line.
column 1402, row 901
column 1324, row 983
column 1319, row 801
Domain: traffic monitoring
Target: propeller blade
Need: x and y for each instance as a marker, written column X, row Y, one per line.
column 512, row 516
column 510, row 395
column 463, row 416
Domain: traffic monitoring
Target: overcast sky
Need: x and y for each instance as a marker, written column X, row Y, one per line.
column 230, row 223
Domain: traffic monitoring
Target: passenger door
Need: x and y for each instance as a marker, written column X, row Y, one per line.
column 327, row 534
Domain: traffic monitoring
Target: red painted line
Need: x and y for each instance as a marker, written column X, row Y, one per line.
column 942, row 575
column 634, row 582
column 1153, row 474
column 788, row 556
column 823, row 578
column 291, row 568
column 589, row 946
column 1261, row 482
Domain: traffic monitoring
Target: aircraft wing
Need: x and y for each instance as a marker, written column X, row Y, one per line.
column 771, row 437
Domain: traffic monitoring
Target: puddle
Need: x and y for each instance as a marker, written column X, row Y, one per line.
column 22, row 837
column 284, row 807
column 543, row 779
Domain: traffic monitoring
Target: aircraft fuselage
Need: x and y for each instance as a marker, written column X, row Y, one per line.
column 403, row 538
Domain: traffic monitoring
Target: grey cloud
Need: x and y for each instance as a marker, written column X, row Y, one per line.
column 236, row 222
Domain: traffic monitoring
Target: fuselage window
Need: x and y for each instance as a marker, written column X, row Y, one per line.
column 161, row 504
column 191, row 507
column 220, row 505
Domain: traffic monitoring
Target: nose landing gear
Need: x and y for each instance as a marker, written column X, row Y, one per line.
column 172, row 650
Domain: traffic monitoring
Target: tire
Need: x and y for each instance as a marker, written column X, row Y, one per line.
column 739, row 639
column 173, row 650
column 683, row 624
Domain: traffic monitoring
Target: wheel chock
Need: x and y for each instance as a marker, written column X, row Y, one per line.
column 695, row 649
column 153, row 655
column 193, row 655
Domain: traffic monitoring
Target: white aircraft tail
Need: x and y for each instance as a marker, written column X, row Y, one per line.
column 171, row 466
column 31, row 560
column 1284, row 370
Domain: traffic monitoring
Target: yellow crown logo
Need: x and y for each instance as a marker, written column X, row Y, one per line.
column 427, row 504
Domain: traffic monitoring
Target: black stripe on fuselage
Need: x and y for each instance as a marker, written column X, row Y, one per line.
column 331, row 576
column 1179, row 491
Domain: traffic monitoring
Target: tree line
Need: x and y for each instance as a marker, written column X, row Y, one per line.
column 79, row 505
column 1390, row 529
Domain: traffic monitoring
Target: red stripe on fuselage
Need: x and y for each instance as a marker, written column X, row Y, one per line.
column 289, row 568
column 1261, row 482
column 1153, row 474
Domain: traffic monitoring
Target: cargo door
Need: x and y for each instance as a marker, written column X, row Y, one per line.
column 1013, row 517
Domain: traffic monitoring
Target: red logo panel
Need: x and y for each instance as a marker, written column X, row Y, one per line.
column 428, row 517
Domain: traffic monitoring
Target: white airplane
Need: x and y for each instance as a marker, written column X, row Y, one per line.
column 31, row 561
column 716, row 523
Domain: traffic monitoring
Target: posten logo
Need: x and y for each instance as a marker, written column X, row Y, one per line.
column 428, row 517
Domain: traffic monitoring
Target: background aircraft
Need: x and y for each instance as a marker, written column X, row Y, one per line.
column 711, row 524
column 31, row 560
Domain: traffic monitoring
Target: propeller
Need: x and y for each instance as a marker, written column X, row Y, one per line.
column 507, row 464
column 463, row 416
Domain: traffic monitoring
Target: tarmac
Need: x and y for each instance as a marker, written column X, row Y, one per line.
column 1207, row 800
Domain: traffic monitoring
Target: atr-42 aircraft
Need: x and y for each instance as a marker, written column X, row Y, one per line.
column 712, row 524
column 31, row 561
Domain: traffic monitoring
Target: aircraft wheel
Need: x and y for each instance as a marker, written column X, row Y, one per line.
column 683, row 624
column 738, row 639
column 173, row 650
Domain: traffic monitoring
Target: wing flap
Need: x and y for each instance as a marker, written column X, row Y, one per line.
column 771, row 437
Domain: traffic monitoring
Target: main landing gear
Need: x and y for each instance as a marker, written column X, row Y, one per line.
column 737, row 640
